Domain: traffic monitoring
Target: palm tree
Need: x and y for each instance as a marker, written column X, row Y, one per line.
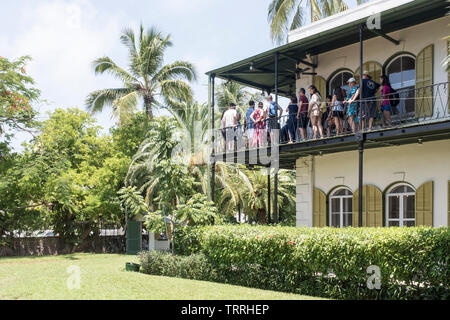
column 159, row 145
column 286, row 15
column 145, row 78
column 255, row 195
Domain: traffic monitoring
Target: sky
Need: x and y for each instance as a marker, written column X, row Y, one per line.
column 63, row 37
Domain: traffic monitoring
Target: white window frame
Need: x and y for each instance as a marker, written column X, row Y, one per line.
column 331, row 80
column 386, row 69
column 398, row 57
column 341, row 206
column 401, row 220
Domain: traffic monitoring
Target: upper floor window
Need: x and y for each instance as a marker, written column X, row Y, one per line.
column 402, row 75
column 339, row 80
column 400, row 203
column 402, row 72
column 341, row 208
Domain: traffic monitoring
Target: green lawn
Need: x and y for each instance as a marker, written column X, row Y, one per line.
column 103, row 276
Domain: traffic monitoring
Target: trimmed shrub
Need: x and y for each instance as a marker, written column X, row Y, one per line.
column 195, row 267
column 188, row 240
column 329, row 262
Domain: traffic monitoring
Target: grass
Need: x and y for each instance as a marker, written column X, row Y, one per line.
column 103, row 276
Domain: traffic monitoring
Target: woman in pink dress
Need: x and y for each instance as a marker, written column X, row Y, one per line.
column 258, row 117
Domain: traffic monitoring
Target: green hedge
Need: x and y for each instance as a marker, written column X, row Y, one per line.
column 195, row 267
column 327, row 262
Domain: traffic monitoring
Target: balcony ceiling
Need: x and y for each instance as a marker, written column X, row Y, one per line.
column 262, row 77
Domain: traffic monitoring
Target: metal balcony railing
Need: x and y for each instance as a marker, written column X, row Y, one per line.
column 415, row 106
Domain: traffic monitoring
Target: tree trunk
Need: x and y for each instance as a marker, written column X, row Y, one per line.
column 148, row 106
column 261, row 216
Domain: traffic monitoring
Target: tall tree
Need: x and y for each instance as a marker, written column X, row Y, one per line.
column 286, row 15
column 70, row 174
column 17, row 93
column 146, row 77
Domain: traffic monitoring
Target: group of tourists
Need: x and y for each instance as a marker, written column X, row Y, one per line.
column 344, row 111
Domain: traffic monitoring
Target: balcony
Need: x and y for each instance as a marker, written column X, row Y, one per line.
column 422, row 114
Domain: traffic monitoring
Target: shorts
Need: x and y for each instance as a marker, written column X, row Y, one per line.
column 315, row 112
column 229, row 134
column 386, row 107
column 303, row 121
column 338, row 114
column 272, row 123
column 369, row 108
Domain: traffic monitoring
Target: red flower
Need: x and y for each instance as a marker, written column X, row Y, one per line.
column 8, row 93
column 291, row 243
column 257, row 237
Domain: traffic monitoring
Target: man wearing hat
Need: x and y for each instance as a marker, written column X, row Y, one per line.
column 368, row 100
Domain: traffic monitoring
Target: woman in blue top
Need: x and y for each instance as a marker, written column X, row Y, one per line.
column 292, row 110
column 350, row 104
column 337, row 104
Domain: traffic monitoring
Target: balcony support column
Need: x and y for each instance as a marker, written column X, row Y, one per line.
column 360, row 135
column 269, row 220
column 275, row 198
column 213, row 158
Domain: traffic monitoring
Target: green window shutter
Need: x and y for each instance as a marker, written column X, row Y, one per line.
column 448, row 204
column 374, row 68
column 372, row 207
column 373, row 210
column 424, row 78
column 448, row 79
column 321, row 84
column 319, row 208
column 134, row 239
column 424, row 204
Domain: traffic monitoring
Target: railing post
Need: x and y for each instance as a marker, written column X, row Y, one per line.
column 275, row 198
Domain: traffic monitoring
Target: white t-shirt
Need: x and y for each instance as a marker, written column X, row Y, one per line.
column 229, row 117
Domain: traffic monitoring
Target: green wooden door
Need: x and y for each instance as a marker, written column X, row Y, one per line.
column 134, row 238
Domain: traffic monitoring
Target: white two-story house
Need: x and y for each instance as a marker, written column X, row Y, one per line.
column 403, row 170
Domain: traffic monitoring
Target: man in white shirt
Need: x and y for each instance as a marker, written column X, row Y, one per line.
column 229, row 121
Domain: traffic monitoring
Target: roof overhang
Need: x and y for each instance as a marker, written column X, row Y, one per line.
column 393, row 18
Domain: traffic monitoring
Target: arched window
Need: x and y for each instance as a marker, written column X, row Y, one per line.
column 341, row 208
column 339, row 79
column 401, row 71
column 400, row 206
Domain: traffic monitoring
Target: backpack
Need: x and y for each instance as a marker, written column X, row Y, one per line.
column 394, row 97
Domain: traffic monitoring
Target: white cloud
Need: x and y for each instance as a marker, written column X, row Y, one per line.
column 63, row 38
column 183, row 6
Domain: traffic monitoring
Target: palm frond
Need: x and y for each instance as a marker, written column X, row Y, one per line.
column 177, row 70
column 107, row 65
column 97, row 100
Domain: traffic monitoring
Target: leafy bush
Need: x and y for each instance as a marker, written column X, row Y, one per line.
column 195, row 267
column 187, row 240
column 413, row 262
